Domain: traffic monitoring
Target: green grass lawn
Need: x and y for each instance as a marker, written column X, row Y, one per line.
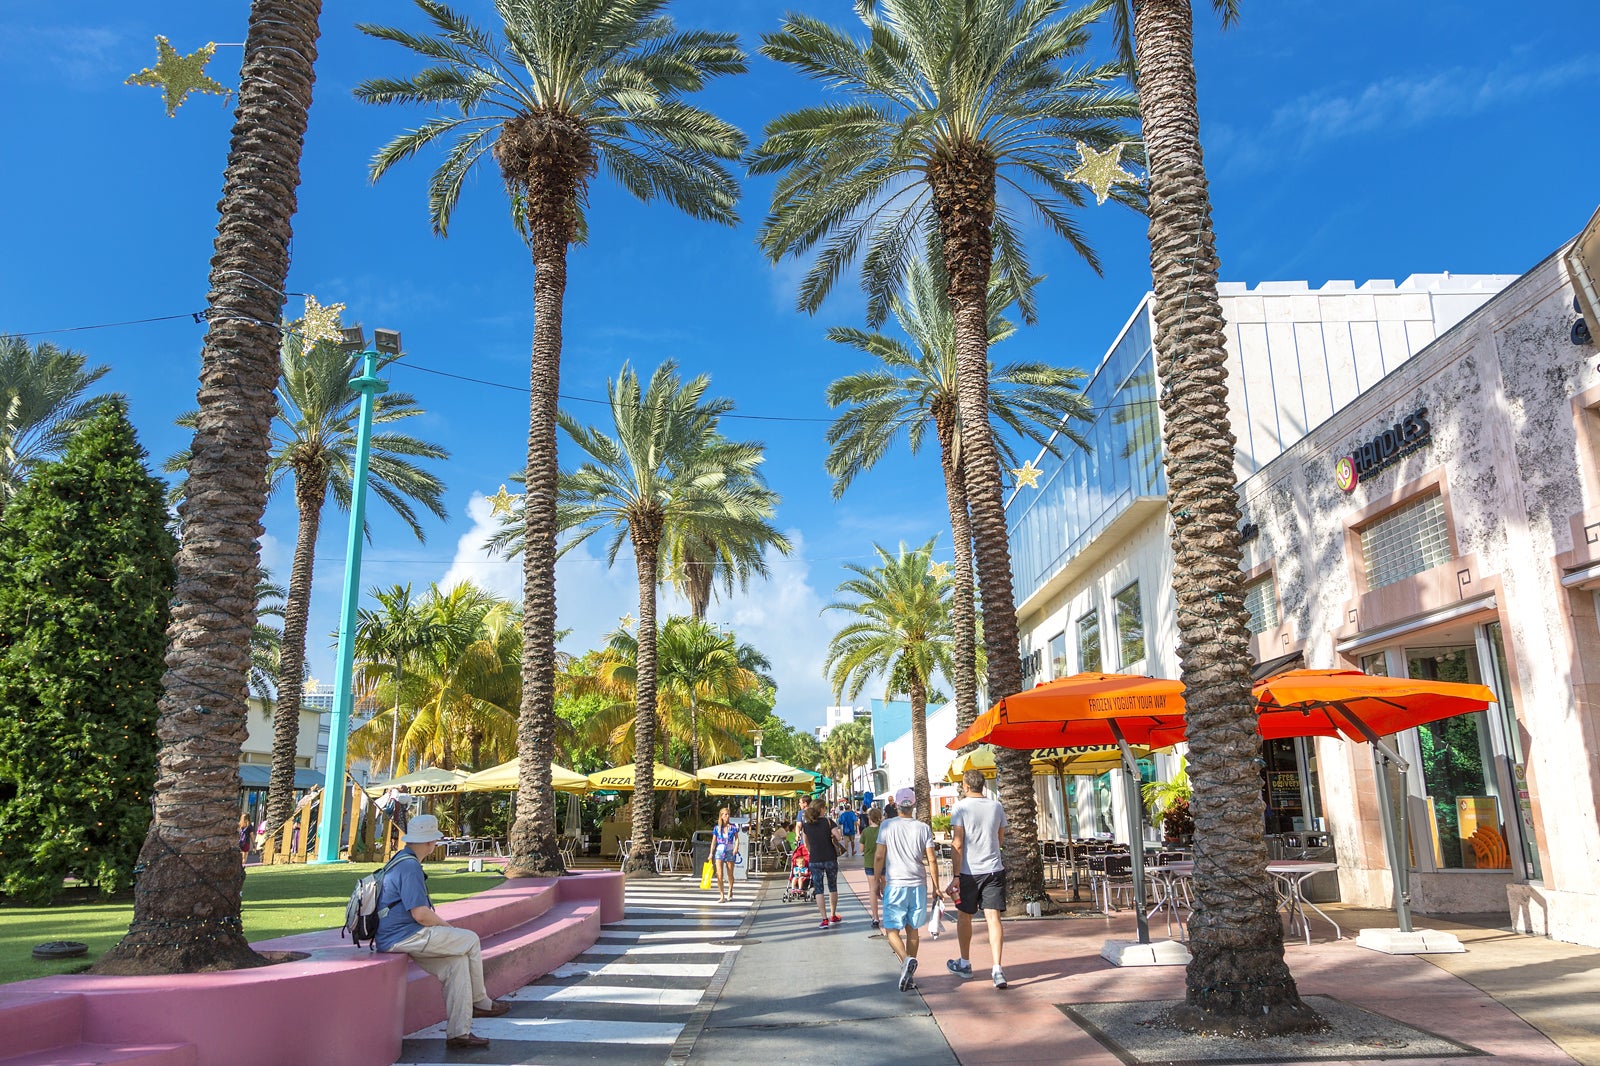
column 278, row 901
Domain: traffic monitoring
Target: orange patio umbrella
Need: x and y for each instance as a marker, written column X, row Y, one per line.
column 1119, row 709
column 1358, row 706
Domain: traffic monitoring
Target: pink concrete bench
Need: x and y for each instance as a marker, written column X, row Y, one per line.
column 304, row 1012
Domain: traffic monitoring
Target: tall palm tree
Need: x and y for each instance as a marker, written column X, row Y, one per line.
column 42, row 404
column 562, row 91
column 944, row 105
column 901, row 633
column 186, row 899
column 914, row 387
column 705, row 669
column 314, row 446
column 1237, row 980
column 666, row 473
column 385, row 639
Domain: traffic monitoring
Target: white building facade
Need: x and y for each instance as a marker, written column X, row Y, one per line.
column 1467, row 548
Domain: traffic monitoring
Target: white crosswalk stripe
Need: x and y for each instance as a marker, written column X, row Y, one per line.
column 635, row 988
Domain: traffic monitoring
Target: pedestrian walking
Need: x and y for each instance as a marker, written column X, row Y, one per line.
column 847, row 829
column 410, row 926
column 724, row 853
column 821, row 835
column 906, row 874
column 977, row 829
column 869, row 851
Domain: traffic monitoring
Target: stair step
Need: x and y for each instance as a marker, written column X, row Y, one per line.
column 36, row 1021
column 106, row 1054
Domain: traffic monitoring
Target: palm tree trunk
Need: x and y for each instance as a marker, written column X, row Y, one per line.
column 186, row 898
column 642, row 857
column 918, row 691
column 552, row 190
column 1237, row 981
column 963, row 607
column 309, row 494
column 963, row 185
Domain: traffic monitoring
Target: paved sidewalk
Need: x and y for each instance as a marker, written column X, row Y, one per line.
column 1052, row 961
column 801, row 994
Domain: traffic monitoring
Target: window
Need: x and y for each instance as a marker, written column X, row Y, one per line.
column 1261, row 600
column 1130, row 626
column 1058, row 656
column 1089, row 643
column 1406, row 541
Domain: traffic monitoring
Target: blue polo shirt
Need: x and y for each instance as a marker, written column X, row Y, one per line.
column 405, row 886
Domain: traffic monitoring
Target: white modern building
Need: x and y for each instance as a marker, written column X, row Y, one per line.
column 1419, row 468
column 838, row 716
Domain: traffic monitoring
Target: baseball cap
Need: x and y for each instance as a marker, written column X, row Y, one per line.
column 905, row 797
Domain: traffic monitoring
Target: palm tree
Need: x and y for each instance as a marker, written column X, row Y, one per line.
column 666, row 473
column 41, row 405
column 848, row 746
column 563, row 91
column 462, row 686
column 1237, row 980
column 902, row 633
column 186, row 899
column 944, row 104
column 314, row 445
column 385, row 640
column 266, row 641
column 705, row 670
column 914, row 387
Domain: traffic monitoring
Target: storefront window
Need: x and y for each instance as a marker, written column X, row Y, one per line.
column 1376, row 664
column 1103, row 825
column 1089, row 643
column 1058, row 656
column 1261, row 600
column 1456, row 757
column 1520, row 798
column 1130, row 626
column 1285, row 804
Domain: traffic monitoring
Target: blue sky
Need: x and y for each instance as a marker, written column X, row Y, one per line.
column 1357, row 140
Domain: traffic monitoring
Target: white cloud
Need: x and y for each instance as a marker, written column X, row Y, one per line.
column 1400, row 102
column 779, row 615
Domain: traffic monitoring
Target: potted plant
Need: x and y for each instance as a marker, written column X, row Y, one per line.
column 1169, row 801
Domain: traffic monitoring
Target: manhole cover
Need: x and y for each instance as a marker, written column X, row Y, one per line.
column 60, row 949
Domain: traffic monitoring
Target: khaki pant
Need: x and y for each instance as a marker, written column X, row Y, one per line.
column 456, row 959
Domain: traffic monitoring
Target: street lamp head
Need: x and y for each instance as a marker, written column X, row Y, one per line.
column 386, row 341
column 353, row 338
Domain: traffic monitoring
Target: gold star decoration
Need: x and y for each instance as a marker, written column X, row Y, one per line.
column 320, row 323
column 1101, row 170
column 1028, row 476
column 626, row 621
column 178, row 75
column 501, row 502
column 940, row 571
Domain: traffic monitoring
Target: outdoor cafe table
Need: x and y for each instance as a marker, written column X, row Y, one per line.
column 1288, row 876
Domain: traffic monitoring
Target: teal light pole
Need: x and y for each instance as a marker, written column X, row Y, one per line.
column 331, row 825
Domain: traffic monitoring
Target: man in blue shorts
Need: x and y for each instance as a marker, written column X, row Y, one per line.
column 847, row 829
column 905, row 872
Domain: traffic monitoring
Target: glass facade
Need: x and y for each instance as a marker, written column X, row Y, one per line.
column 1058, row 656
column 1082, row 492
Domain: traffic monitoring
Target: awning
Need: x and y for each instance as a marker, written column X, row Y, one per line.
column 254, row 777
column 1274, row 667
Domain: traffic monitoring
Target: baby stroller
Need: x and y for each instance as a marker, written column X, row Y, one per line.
column 800, row 888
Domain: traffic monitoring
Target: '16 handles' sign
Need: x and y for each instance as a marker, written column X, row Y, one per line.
column 1383, row 450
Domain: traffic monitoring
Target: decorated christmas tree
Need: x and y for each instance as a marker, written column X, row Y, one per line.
column 86, row 574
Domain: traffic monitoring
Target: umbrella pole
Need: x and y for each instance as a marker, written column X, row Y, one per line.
column 1393, row 838
column 1130, row 770
column 1066, row 824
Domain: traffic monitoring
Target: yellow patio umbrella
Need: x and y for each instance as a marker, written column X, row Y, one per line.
column 756, row 777
column 429, row 781
column 620, row 779
column 503, row 778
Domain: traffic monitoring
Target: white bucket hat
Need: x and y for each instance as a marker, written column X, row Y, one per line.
column 423, row 829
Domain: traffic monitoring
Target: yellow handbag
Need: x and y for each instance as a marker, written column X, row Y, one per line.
column 705, row 875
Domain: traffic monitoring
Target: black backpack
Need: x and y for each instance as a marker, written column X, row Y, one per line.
column 361, row 913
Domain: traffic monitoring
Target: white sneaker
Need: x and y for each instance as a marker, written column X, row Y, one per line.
column 907, row 970
column 999, row 977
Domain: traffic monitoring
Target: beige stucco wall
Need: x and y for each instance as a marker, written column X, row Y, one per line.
column 1506, row 453
column 258, row 741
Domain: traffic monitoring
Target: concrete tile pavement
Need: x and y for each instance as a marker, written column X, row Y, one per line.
column 1056, row 960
